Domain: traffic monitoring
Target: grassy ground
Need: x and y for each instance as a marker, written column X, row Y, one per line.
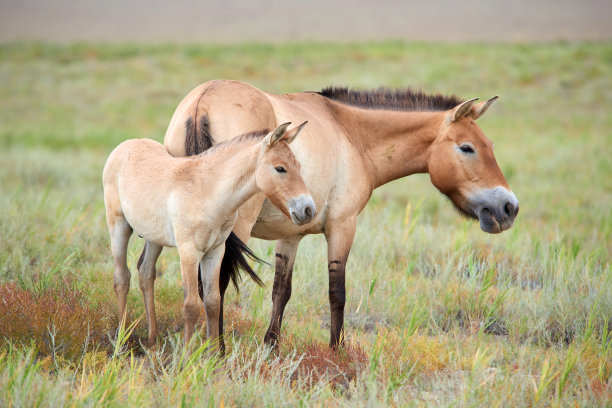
column 438, row 313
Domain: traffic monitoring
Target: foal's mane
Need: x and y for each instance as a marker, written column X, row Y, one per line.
column 238, row 140
column 406, row 99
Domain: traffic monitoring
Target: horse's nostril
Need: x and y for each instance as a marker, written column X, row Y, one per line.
column 509, row 209
column 308, row 212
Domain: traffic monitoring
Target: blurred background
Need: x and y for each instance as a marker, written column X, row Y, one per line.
column 214, row 21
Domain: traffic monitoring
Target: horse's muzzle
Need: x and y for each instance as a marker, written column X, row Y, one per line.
column 302, row 209
column 496, row 209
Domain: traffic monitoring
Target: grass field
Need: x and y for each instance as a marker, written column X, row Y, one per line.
column 438, row 313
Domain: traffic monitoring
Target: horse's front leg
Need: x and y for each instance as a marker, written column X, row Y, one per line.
column 210, row 267
column 286, row 250
column 339, row 241
column 190, row 259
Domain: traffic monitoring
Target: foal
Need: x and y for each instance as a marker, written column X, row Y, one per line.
column 191, row 203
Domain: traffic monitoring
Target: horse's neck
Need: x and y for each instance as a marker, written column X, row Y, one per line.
column 232, row 171
column 392, row 144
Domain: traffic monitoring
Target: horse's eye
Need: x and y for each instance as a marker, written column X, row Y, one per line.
column 280, row 169
column 466, row 148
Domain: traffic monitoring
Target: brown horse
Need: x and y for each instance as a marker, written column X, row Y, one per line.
column 356, row 141
column 192, row 204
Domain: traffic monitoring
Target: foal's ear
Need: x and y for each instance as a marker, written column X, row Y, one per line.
column 480, row 108
column 274, row 136
column 292, row 133
column 460, row 110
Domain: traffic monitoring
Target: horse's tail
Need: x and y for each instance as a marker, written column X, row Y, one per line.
column 235, row 258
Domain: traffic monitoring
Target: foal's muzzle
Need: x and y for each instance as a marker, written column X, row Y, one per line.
column 496, row 209
column 302, row 209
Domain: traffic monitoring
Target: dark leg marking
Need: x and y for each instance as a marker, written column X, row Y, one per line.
column 337, row 299
column 224, row 280
column 281, row 293
column 200, row 285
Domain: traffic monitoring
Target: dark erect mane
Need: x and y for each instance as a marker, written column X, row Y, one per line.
column 392, row 99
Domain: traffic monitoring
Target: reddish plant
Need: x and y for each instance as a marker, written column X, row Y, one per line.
column 56, row 320
column 340, row 365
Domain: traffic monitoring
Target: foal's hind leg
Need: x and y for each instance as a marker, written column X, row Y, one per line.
column 146, row 270
column 190, row 259
column 120, row 232
column 210, row 265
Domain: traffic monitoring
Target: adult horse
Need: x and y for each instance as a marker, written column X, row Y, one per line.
column 355, row 142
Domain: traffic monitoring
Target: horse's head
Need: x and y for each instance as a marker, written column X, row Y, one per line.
column 463, row 167
column 278, row 175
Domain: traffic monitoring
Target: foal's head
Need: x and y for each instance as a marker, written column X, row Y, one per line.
column 278, row 175
column 463, row 167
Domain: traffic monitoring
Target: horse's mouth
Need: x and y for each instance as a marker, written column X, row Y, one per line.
column 488, row 223
column 495, row 208
column 295, row 219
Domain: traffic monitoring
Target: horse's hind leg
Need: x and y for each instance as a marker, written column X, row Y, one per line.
column 146, row 279
column 120, row 232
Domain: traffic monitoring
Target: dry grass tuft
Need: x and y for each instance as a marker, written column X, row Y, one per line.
column 56, row 320
column 338, row 367
column 417, row 353
column 238, row 322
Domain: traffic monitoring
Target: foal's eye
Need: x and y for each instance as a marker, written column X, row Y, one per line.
column 280, row 169
column 466, row 148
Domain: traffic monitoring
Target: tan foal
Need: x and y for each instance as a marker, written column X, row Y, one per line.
column 192, row 203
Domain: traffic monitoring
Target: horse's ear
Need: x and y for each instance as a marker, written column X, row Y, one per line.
column 460, row 110
column 291, row 134
column 480, row 108
column 274, row 136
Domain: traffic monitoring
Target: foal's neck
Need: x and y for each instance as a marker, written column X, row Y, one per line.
column 393, row 144
column 232, row 171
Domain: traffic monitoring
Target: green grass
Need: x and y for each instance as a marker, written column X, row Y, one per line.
column 438, row 313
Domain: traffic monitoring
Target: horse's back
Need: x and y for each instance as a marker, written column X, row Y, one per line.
column 217, row 111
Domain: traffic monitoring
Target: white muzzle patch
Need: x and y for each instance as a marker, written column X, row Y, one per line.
column 496, row 208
